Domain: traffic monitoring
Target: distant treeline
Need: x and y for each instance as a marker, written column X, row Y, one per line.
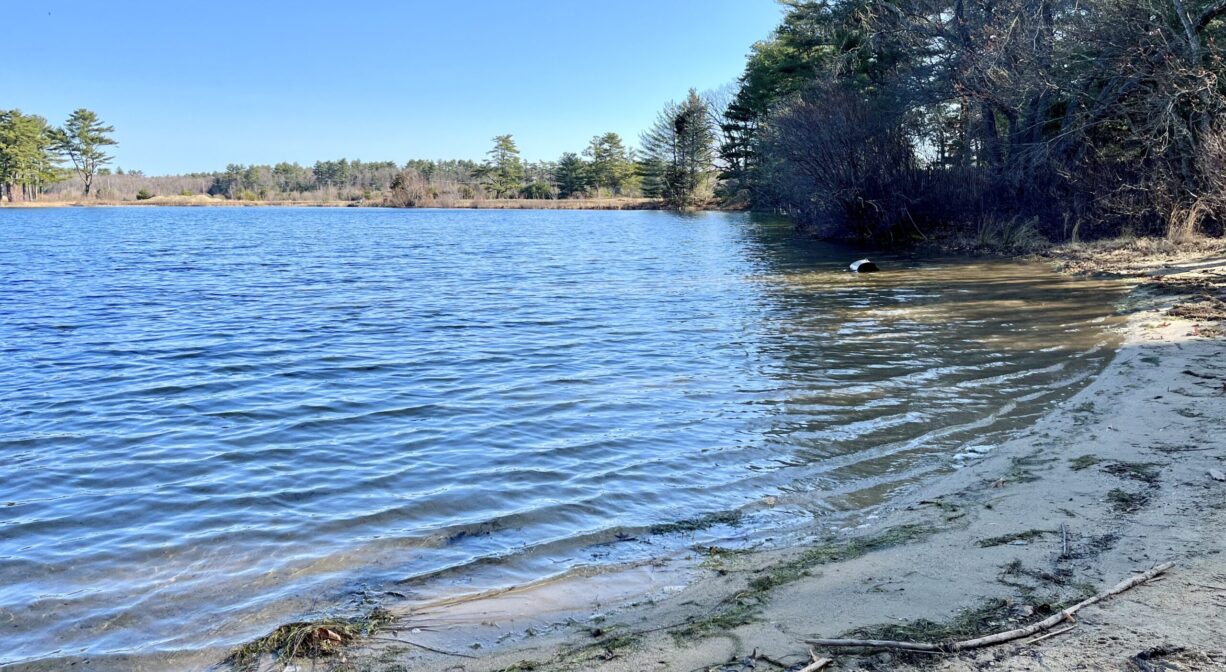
column 605, row 168
column 887, row 120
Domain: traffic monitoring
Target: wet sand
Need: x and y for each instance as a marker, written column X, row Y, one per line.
column 1115, row 481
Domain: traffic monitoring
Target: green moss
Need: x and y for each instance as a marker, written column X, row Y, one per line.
column 988, row 617
column 952, row 511
column 1009, row 538
column 1128, row 502
column 745, row 607
column 800, row 566
column 1084, row 462
column 522, row 666
column 700, row 523
column 1021, row 469
column 607, row 648
column 984, row 618
column 1148, row 473
column 733, row 613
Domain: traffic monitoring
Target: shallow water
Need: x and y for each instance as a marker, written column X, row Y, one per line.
column 215, row 420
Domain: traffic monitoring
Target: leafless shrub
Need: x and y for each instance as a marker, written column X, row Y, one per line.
column 843, row 162
column 409, row 189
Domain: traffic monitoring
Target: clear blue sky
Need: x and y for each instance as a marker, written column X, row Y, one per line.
column 196, row 85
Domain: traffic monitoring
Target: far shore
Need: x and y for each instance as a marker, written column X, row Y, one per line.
column 468, row 204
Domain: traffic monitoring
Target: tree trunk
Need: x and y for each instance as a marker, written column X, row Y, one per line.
column 991, row 136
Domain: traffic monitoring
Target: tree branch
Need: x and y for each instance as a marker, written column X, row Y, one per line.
column 1210, row 13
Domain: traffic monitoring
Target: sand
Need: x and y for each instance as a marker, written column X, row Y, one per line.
column 1114, row 481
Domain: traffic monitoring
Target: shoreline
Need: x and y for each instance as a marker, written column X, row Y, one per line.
column 201, row 201
column 1118, row 474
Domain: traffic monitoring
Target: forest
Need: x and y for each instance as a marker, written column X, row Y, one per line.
column 884, row 120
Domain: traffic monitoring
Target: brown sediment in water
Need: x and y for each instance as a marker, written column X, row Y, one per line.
column 1112, row 482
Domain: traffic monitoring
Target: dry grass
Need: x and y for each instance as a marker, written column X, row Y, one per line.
column 1131, row 256
column 555, row 204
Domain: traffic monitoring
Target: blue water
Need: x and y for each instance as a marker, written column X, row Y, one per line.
column 213, row 420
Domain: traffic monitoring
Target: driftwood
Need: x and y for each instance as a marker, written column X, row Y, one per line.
column 814, row 666
column 1000, row 637
column 817, row 664
column 1053, row 633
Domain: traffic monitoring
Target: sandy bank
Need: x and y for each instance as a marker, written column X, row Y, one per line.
column 1114, row 481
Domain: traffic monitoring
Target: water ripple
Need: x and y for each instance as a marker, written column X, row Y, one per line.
column 213, row 420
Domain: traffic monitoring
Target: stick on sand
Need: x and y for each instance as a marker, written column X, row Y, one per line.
column 1000, row 637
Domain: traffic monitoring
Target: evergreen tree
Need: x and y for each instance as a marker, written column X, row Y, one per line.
column 27, row 164
column 679, row 149
column 82, row 139
column 502, row 174
column 611, row 166
column 571, row 175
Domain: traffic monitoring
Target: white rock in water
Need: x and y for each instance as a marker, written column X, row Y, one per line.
column 864, row 266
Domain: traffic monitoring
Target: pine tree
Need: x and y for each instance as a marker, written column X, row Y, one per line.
column 502, row 174
column 679, row 152
column 612, row 166
column 27, row 164
column 571, row 175
column 82, row 139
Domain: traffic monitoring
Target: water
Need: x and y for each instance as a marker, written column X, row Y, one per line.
column 216, row 420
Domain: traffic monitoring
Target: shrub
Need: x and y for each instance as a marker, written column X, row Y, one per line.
column 409, row 189
column 143, row 195
column 538, row 190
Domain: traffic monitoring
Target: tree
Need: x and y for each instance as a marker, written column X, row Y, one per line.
column 611, row 166
column 679, row 151
column 1096, row 116
column 82, row 139
column 571, row 175
column 502, row 174
column 27, row 164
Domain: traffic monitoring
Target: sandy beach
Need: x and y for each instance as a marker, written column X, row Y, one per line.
column 1119, row 478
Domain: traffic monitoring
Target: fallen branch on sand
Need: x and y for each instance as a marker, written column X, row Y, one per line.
column 1053, row 633
column 817, row 663
column 1000, row 637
